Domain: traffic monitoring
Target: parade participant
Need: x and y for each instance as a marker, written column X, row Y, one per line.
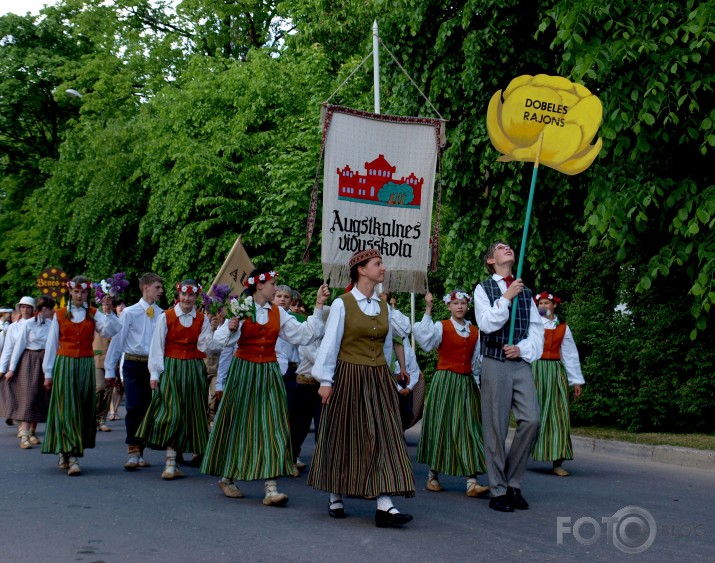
column 507, row 383
column 23, row 311
column 361, row 449
column 117, row 391
column 286, row 353
column 558, row 367
column 176, row 419
column 138, row 323
column 103, row 391
column 26, row 398
column 5, row 314
column 451, row 437
column 405, row 385
column 308, row 404
column 69, row 373
column 250, row 439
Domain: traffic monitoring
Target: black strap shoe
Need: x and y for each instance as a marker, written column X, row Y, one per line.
column 387, row 519
column 338, row 511
column 517, row 501
column 502, row 503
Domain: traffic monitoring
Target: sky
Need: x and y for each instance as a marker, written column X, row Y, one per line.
column 21, row 7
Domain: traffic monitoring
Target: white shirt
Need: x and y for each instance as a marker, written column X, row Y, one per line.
column 224, row 362
column 9, row 345
column 327, row 358
column 569, row 353
column 491, row 318
column 428, row 335
column 158, row 341
column 106, row 325
column 285, row 353
column 413, row 369
column 292, row 331
column 134, row 336
column 31, row 336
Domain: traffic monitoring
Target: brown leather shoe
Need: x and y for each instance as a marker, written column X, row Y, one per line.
column 433, row 485
column 475, row 490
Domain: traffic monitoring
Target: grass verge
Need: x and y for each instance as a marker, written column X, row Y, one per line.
column 697, row 441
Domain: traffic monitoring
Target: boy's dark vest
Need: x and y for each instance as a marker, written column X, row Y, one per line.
column 492, row 345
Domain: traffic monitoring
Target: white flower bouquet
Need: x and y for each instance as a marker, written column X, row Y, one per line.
column 241, row 308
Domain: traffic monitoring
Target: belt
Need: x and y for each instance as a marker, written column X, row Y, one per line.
column 136, row 358
column 306, row 380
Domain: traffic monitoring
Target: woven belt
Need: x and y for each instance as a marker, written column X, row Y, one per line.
column 136, row 358
column 306, row 380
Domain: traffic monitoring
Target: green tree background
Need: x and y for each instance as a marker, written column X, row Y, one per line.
column 200, row 120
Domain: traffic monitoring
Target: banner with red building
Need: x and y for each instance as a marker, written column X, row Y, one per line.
column 378, row 188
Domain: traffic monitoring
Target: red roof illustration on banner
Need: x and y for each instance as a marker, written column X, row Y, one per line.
column 378, row 187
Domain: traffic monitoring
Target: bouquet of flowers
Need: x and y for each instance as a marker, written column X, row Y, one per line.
column 216, row 299
column 241, row 308
column 112, row 286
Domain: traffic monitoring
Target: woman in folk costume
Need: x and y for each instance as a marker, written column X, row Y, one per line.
column 176, row 419
column 27, row 400
column 451, row 438
column 558, row 367
column 69, row 374
column 250, row 439
column 361, row 449
column 25, row 308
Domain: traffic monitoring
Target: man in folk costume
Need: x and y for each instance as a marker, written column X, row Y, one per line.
column 69, row 373
column 507, row 383
column 133, row 340
column 558, row 368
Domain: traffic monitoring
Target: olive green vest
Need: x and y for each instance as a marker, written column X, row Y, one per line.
column 364, row 336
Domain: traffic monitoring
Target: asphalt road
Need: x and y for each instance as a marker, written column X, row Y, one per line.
column 108, row 514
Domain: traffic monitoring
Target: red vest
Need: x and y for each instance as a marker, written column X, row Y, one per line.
column 76, row 338
column 455, row 352
column 553, row 337
column 257, row 342
column 180, row 340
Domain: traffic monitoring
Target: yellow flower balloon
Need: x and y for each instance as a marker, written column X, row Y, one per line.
column 566, row 113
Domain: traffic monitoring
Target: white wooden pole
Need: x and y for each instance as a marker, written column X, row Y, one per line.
column 376, row 65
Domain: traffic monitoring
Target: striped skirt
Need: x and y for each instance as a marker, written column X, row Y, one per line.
column 250, row 439
column 25, row 397
column 451, row 439
column 176, row 417
column 554, row 439
column 71, row 426
column 361, row 449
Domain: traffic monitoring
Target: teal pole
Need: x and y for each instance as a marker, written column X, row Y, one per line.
column 524, row 236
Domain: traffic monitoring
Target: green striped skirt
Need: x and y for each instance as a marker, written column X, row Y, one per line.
column 361, row 449
column 554, row 440
column 250, row 438
column 71, row 426
column 451, row 439
column 177, row 417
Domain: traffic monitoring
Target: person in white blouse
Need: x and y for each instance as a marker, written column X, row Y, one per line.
column 176, row 419
column 361, row 448
column 250, row 439
column 25, row 309
column 69, row 373
column 26, row 398
column 558, row 367
column 506, row 381
column 132, row 344
column 451, row 438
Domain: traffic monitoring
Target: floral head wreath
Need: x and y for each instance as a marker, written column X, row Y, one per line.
column 456, row 295
column 81, row 285
column 189, row 288
column 546, row 295
column 262, row 278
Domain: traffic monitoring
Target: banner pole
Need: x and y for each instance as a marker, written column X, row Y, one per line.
column 524, row 236
column 376, row 66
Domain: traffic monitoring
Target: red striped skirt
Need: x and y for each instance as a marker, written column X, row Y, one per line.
column 25, row 397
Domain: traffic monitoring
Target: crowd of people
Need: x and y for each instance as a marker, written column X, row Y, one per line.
column 239, row 387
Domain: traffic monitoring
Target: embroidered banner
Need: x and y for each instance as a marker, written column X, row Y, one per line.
column 378, row 188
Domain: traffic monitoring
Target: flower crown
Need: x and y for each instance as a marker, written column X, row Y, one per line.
column 82, row 285
column 546, row 295
column 456, row 295
column 262, row 278
column 189, row 288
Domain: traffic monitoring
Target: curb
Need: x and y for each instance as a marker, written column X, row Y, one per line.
column 672, row 455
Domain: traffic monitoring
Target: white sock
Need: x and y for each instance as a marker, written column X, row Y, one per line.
column 384, row 503
column 336, row 499
column 432, row 475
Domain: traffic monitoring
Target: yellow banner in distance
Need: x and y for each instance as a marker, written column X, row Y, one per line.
column 567, row 113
